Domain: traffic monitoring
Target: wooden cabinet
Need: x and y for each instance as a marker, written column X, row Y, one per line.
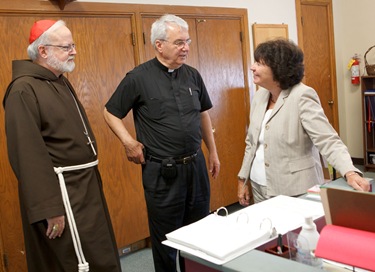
column 111, row 39
column 368, row 113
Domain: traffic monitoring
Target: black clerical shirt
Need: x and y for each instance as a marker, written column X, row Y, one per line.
column 166, row 107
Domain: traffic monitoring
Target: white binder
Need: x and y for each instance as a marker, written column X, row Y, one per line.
column 219, row 239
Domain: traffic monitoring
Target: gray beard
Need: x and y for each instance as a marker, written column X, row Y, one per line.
column 63, row 67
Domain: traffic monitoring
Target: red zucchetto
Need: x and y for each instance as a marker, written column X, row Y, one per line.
column 39, row 28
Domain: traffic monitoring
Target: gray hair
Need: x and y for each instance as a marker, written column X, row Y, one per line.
column 160, row 26
column 32, row 49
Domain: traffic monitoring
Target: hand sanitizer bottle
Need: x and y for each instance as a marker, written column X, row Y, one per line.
column 306, row 244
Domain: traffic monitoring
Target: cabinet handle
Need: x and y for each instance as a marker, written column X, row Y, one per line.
column 330, row 102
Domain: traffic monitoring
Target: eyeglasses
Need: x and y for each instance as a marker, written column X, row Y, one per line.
column 66, row 48
column 179, row 43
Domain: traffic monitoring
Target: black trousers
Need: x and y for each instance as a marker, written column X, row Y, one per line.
column 174, row 203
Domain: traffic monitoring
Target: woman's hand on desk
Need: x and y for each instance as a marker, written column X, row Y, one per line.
column 243, row 192
column 357, row 182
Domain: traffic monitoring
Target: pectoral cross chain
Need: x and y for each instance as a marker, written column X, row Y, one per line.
column 90, row 142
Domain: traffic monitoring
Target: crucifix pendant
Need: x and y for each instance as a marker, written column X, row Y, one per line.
column 90, row 142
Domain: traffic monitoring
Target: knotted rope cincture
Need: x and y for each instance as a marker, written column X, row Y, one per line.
column 83, row 266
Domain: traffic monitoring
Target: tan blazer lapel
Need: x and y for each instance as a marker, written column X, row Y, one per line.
column 279, row 103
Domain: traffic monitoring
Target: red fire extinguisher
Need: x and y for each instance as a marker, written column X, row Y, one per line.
column 354, row 69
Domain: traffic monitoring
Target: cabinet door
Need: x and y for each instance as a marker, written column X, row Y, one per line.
column 13, row 46
column 104, row 56
column 221, row 64
column 216, row 51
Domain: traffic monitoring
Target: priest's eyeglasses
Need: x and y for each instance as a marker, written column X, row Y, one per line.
column 66, row 48
column 179, row 43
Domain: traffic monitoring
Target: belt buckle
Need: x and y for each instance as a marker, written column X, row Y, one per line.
column 185, row 160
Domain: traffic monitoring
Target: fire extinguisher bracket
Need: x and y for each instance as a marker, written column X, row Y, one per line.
column 370, row 68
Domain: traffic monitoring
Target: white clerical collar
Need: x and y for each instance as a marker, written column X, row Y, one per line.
column 170, row 70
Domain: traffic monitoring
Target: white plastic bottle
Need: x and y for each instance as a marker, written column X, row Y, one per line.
column 306, row 244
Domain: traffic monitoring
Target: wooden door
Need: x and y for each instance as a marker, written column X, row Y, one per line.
column 103, row 58
column 315, row 36
column 216, row 51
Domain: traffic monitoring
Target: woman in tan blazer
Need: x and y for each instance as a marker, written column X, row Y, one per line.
column 288, row 129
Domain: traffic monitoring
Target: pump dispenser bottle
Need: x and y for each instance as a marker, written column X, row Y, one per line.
column 306, row 244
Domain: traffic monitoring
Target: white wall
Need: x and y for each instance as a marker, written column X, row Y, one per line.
column 353, row 26
column 354, row 33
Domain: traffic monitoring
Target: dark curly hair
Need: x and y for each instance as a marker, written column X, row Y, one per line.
column 284, row 58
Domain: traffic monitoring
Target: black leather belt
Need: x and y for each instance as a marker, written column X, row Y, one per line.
column 178, row 160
